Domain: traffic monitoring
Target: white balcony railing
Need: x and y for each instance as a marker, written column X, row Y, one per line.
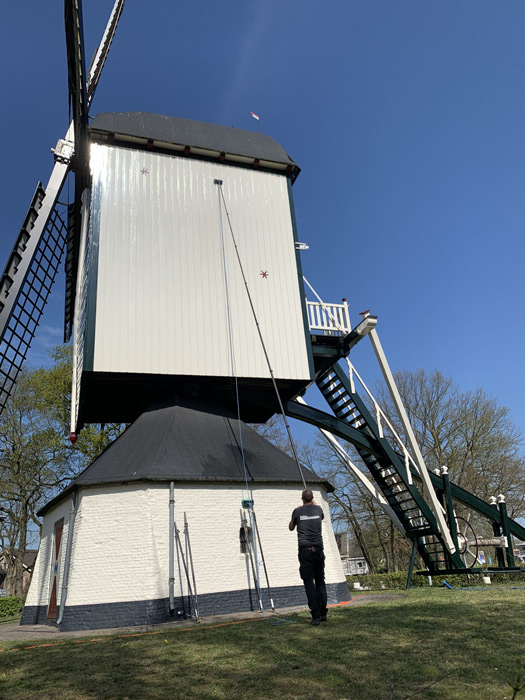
column 330, row 319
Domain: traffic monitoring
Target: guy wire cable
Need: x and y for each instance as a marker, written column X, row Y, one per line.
column 290, row 438
column 230, row 343
column 234, row 372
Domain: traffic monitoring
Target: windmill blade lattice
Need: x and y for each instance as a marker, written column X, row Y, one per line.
column 25, row 313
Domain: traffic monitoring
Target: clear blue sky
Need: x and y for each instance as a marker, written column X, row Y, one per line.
column 406, row 117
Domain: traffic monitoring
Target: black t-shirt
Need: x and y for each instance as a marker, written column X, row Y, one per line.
column 308, row 520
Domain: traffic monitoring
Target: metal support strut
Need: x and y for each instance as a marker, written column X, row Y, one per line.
column 185, row 559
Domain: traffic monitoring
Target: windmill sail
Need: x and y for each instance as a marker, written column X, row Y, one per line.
column 34, row 261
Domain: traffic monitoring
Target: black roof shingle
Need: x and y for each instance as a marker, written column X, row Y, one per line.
column 201, row 135
column 190, row 442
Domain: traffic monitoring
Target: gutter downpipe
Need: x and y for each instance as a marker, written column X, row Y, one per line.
column 172, row 546
column 67, row 562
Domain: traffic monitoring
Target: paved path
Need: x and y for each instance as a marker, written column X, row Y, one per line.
column 13, row 632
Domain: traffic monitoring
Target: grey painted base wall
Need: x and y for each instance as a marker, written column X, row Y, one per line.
column 153, row 612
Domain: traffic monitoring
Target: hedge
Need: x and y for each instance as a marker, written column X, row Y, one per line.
column 376, row 582
column 11, row 606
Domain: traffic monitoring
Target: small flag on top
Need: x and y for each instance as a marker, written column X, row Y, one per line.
column 255, row 116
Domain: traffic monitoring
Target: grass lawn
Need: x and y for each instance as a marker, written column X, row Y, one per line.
column 8, row 620
column 470, row 642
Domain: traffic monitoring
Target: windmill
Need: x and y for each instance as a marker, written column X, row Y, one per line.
column 165, row 317
column 185, row 299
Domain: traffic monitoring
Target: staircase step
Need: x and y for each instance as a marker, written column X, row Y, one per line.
column 407, row 502
column 331, row 390
column 408, row 510
column 420, row 531
column 395, row 492
column 344, row 400
column 347, row 413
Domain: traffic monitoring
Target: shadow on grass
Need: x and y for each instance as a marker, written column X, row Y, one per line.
column 381, row 650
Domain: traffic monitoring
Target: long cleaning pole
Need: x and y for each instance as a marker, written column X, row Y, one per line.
column 263, row 561
column 249, row 548
column 188, row 547
column 256, row 557
column 190, row 591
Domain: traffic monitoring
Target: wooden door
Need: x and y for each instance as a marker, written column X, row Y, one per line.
column 52, row 609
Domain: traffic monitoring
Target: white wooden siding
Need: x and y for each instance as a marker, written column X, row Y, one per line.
column 161, row 305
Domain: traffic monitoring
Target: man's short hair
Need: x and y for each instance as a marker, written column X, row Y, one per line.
column 307, row 495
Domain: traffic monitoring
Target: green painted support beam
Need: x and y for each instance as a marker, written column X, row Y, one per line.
column 506, row 530
column 411, row 565
column 326, row 355
column 320, row 419
column 451, row 518
column 327, row 351
column 469, row 499
column 496, row 529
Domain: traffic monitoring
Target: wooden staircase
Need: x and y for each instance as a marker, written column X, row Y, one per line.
column 390, row 470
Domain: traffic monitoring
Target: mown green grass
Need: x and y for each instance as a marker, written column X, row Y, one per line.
column 9, row 620
column 391, row 648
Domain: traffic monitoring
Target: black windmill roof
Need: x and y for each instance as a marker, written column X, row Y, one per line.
column 199, row 138
column 190, row 442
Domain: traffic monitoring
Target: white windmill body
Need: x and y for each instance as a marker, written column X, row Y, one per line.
column 189, row 295
column 159, row 273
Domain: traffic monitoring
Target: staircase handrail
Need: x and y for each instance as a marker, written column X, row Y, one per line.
column 381, row 417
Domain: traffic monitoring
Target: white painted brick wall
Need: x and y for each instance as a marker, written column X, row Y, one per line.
column 121, row 541
column 42, row 580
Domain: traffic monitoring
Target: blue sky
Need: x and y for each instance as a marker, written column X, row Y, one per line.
column 406, row 117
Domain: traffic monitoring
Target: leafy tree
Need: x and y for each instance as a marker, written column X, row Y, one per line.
column 467, row 431
column 36, row 458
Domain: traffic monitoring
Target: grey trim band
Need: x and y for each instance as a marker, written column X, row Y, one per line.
column 154, row 612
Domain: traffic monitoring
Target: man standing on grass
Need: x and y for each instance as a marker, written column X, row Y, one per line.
column 308, row 519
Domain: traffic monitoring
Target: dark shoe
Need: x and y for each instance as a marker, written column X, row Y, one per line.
column 323, row 618
column 315, row 621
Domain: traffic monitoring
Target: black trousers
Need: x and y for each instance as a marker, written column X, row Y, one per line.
column 311, row 569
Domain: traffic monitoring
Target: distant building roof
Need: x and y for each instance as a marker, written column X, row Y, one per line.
column 190, row 442
column 29, row 557
column 195, row 138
